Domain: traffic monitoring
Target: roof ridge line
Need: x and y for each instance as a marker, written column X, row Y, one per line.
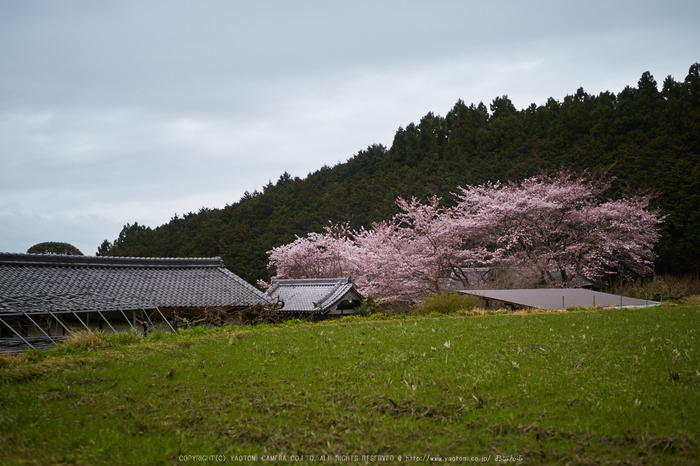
column 310, row 281
column 63, row 260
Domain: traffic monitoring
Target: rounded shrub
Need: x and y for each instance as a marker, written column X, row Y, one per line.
column 446, row 303
column 5, row 361
column 34, row 355
column 370, row 305
column 124, row 338
column 87, row 341
column 293, row 321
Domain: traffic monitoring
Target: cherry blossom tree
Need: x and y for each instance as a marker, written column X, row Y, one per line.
column 318, row 255
column 401, row 259
column 415, row 252
column 557, row 226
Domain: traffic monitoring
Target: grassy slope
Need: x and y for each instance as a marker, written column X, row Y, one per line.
column 610, row 386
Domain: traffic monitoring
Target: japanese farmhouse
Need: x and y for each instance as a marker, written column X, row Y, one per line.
column 45, row 296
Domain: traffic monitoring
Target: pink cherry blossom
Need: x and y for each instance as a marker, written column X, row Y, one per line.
column 556, row 226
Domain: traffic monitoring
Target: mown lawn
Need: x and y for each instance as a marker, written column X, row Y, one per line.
column 613, row 386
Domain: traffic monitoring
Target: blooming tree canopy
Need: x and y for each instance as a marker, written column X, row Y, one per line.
column 557, row 226
column 414, row 252
column 319, row 255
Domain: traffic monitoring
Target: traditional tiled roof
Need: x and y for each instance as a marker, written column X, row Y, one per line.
column 47, row 282
column 312, row 294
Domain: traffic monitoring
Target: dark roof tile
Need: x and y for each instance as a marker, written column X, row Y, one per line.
column 42, row 282
column 311, row 294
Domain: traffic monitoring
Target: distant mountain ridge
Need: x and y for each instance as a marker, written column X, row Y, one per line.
column 648, row 138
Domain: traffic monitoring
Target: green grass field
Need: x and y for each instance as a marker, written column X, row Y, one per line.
column 613, row 386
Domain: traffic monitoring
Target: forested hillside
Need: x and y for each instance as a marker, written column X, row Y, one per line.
column 648, row 137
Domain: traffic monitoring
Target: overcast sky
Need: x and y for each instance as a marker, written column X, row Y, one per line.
column 132, row 111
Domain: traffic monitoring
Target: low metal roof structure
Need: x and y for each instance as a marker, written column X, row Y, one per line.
column 322, row 296
column 557, row 298
column 41, row 289
column 466, row 278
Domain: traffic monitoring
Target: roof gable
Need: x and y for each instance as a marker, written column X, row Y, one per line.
column 312, row 294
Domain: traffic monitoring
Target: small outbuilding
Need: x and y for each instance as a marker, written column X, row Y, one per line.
column 315, row 298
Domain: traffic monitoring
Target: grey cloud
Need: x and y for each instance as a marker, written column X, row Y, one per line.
column 131, row 111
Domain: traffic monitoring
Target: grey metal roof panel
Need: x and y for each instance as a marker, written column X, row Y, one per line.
column 34, row 283
column 559, row 298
